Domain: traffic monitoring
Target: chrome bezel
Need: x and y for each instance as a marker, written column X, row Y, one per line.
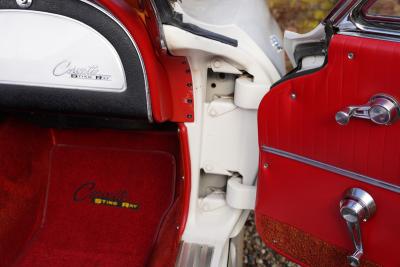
column 348, row 18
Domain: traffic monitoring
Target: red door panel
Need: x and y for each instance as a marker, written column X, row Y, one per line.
column 302, row 200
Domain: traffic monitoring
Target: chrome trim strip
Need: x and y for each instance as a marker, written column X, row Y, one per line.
column 353, row 24
column 191, row 254
column 331, row 168
column 149, row 109
column 341, row 10
column 356, row 17
column 163, row 41
column 371, row 36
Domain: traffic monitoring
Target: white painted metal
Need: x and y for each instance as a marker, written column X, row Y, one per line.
column 49, row 50
column 248, row 94
column 312, row 62
column 293, row 39
column 229, row 143
column 221, row 66
column 250, row 22
column 223, row 139
column 240, row 196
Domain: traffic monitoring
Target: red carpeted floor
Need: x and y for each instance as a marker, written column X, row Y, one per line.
column 104, row 207
column 87, row 198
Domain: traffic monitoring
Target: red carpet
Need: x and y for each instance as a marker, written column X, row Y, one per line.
column 89, row 197
column 104, row 207
column 24, row 162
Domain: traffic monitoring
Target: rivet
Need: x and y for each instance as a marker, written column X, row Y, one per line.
column 177, row 228
column 209, row 168
column 266, row 165
column 293, row 96
column 189, row 116
column 213, row 113
column 217, row 64
column 350, row 55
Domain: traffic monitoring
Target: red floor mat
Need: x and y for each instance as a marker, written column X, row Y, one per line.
column 104, row 207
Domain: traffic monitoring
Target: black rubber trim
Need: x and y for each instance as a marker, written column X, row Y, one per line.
column 131, row 103
column 170, row 17
column 329, row 31
column 309, row 49
column 60, row 121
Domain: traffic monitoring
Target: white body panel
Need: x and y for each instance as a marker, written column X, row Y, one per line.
column 223, row 139
column 248, row 21
column 43, row 49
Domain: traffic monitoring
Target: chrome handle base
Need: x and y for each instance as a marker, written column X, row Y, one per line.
column 357, row 206
column 354, row 260
column 381, row 109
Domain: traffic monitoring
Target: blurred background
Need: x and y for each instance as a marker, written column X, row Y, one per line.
column 299, row 16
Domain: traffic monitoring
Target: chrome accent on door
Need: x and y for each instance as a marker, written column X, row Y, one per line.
column 194, row 255
column 356, row 206
column 349, row 174
column 341, row 9
column 382, row 109
column 348, row 18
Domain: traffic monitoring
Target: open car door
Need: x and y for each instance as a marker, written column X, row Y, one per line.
column 329, row 181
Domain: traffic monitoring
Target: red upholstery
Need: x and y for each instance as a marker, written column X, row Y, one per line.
column 308, row 198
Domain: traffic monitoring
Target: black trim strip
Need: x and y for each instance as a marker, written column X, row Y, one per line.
column 327, row 167
column 170, row 17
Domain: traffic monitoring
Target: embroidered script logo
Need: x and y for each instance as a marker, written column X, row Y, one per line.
column 92, row 72
column 88, row 192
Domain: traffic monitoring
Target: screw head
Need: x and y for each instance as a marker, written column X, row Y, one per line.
column 266, row 165
column 24, row 3
column 293, row 96
column 350, row 55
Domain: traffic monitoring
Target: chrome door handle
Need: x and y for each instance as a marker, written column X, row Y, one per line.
column 381, row 109
column 357, row 206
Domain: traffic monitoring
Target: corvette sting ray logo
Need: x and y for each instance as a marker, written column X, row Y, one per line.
column 88, row 192
column 91, row 72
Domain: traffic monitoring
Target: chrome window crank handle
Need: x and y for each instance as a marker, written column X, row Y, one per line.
column 357, row 206
column 381, row 109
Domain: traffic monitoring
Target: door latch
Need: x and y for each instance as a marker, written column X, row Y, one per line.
column 357, row 206
column 381, row 109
